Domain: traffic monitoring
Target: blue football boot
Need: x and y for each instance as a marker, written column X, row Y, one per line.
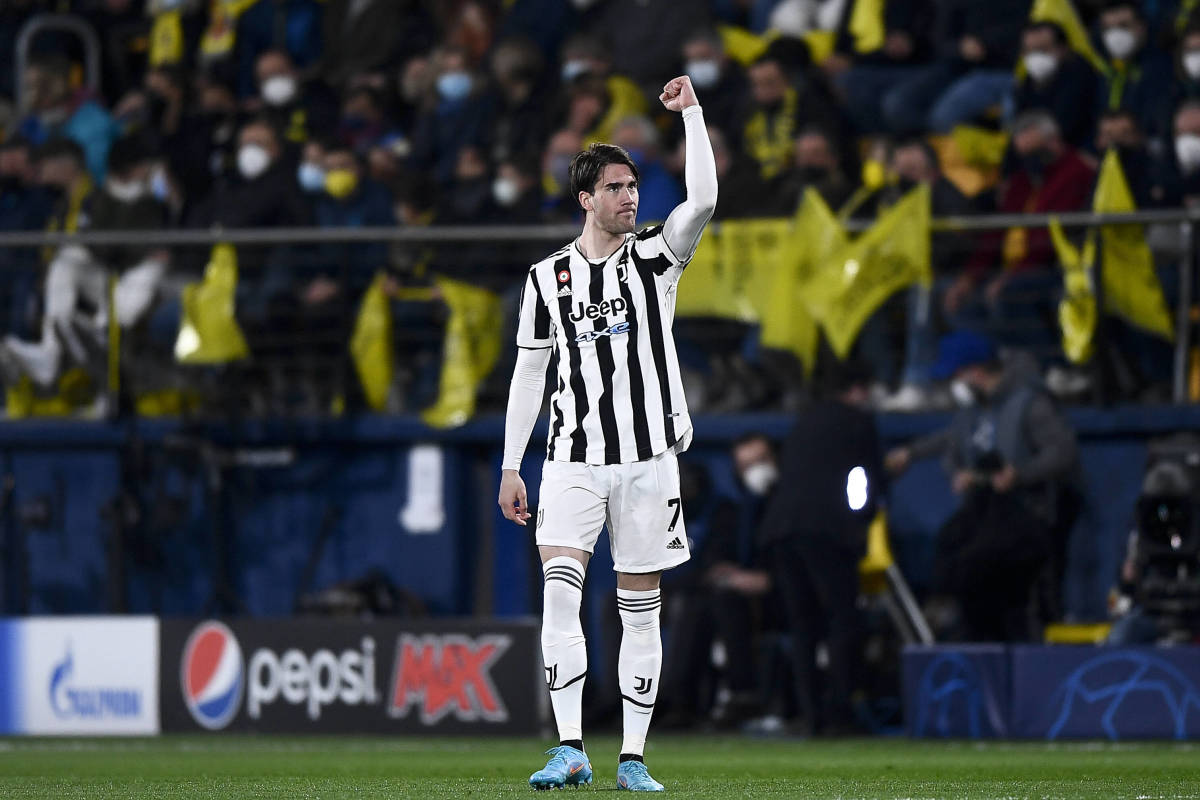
column 632, row 775
column 566, row 767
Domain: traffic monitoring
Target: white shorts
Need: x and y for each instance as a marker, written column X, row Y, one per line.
column 639, row 501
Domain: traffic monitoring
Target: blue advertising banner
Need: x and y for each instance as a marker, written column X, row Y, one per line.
column 957, row 691
column 1113, row 693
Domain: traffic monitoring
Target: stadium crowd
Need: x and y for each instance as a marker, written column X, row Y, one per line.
column 347, row 113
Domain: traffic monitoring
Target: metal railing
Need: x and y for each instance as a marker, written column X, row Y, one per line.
column 1180, row 223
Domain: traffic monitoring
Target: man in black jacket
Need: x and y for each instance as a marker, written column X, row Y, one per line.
column 1057, row 80
column 815, row 531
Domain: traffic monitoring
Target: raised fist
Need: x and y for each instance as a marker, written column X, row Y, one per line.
column 678, row 94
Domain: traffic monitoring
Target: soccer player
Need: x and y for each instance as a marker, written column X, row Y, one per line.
column 604, row 303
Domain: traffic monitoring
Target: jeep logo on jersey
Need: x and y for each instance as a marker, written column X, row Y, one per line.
column 597, row 310
column 448, row 674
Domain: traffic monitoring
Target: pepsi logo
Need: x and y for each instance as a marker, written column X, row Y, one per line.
column 212, row 675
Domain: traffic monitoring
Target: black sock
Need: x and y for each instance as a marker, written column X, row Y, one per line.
column 630, row 757
column 576, row 743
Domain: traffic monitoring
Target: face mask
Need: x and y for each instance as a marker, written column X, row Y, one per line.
column 704, row 74
column 355, row 123
column 310, row 177
column 573, row 69
column 1119, row 42
column 279, row 90
column 1040, row 66
column 253, row 161
column 1187, row 151
column 962, row 393
column 905, row 185
column 454, row 85
column 505, row 192
column 1036, row 161
column 341, row 183
column 1191, row 64
column 125, row 191
column 760, row 477
column 160, row 188
column 812, row 174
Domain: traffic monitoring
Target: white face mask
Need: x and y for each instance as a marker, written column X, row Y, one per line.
column 253, row 161
column 704, row 74
column 279, row 90
column 1187, row 151
column 760, row 477
column 573, row 69
column 962, row 393
column 160, row 187
column 505, row 191
column 125, row 191
column 1119, row 42
column 1191, row 64
column 1040, row 66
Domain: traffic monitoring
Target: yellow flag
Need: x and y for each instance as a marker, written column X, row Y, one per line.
column 980, row 147
column 751, row 252
column 470, row 351
column 787, row 323
column 743, row 46
column 856, row 279
column 1062, row 13
column 371, row 345
column 867, row 25
column 1077, row 309
column 209, row 333
column 707, row 286
column 1131, row 287
column 625, row 99
column 820, row 44
column 166, row 39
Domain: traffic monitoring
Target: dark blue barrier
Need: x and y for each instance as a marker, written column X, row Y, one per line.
column 1056, row 692
column 333, row 511
column 959, row 692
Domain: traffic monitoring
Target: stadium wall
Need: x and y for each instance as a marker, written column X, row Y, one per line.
column 160, row 517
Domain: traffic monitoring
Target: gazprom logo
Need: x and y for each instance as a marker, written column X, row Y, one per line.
column 70, row 700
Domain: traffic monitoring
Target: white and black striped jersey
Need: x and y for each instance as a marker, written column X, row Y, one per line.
column 619, row 396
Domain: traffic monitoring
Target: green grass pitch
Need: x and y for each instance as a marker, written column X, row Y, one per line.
column 309, row 768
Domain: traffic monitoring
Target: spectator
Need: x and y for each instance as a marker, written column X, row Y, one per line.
column 816, row 164
column 465, row 200
column 290, row 26
column 815, row 533
column 743, row 193
column 1057, row 80
column 658, row 191
column 972, row 72
column 58, row 110
column 556, row 185
column 79, row 273
column 720, row 80
column 1185, row 189
column 364, row 123
column 867, row 79
column 1187, row 86
column 455, row 119
column 25, row 205
column 300, row 109
column 521, row 122
column 204, row 148
column 516, row 193
column 1119, row 130
column 1011, row 279
column 634, row 31
column 368, row 35
column 310, row 174
column 588, row 75
column 545, row 22
column 1013, row 458
column 1137, row 71
column 718, row 600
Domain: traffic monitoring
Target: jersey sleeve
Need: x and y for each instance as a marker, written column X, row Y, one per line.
column 535, row 328
column 652, row 252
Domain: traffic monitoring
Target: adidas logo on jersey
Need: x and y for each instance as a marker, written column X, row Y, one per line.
column 675, row 544
column 564, row 291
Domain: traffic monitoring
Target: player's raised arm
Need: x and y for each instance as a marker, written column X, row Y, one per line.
column 686, row 223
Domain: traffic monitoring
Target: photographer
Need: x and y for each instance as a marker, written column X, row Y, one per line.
column 1159, row 594
column 1013, row 459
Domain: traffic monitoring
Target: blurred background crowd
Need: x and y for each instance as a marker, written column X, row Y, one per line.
column 361, row 113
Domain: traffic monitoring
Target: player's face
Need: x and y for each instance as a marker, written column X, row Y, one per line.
column 614, row 202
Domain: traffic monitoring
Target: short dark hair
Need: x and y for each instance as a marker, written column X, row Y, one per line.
column 63, row 148
column 1115, row 5
column 1111, row 114
column 126, row 153
column 588, row 165
column 1060, row 36
column 753, row 436
column 924, row 146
